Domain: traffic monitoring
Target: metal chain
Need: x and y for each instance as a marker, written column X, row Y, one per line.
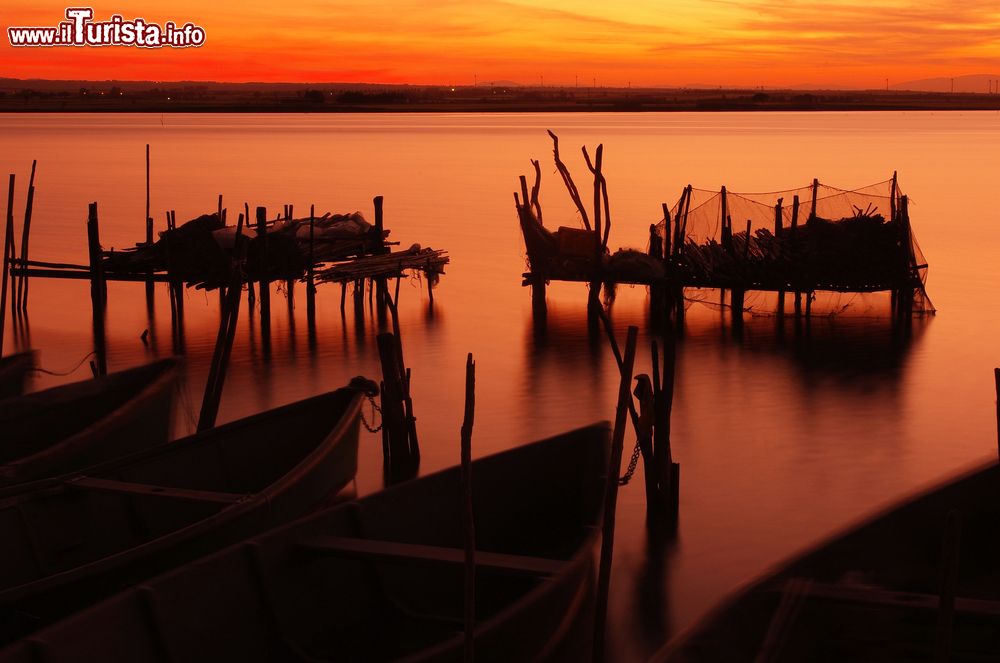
column 375, row 408
column 623, row 481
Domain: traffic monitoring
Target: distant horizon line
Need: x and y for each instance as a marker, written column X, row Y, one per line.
column 512, row 83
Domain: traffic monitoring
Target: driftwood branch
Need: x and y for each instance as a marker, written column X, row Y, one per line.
column 574, row 193
column 595, row 168
column 535, row 205
column 600, row 190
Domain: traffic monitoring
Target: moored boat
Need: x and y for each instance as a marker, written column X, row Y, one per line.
column 380, row 578
column 14, row 370
column 74, row 540
column 918, row 582
column 66, row 428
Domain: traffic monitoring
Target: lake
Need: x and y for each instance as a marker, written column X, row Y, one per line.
column 781, row 439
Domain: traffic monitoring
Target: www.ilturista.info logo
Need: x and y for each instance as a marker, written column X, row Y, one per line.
column 80, row 30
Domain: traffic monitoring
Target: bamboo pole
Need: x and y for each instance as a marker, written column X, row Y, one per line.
column 8, row 243
column 611, row 495
column 468, row 515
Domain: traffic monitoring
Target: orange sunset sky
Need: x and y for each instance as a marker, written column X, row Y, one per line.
column 713, row 42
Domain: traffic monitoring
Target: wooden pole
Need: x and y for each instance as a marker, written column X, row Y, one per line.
column 815, row 195
column 468, row 515
column 393, row 415
column 310, row 274
column 8, row 244
column 611, row 494
column 893, row 187
column 666, row 231
column 224, row 339
column 381, row 248
column 794, row 255
column 97, row 284
column 22, row 283
column 264, row 285
column 147, row 187
column 778, row 229
column 727, row 230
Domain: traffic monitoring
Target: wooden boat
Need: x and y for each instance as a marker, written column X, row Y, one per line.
column 380, row 578
column 14, row 370
column 79, row 539
column 66, row 428
column 879, row 592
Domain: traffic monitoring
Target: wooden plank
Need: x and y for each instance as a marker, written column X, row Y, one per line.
column 81, row 275
column 113, row 486
column 392, row 551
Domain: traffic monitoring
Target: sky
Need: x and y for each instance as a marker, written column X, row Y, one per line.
column 749, row 43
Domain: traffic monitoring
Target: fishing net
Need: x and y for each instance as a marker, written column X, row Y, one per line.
column 844, row 250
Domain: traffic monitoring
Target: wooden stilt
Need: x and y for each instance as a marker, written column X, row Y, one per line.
column 22, row 282
column 224, row 339
column 468, row 517
column 8, row 252
column 310, row 275
column 611, row 495
column 264, row 284
column 97, row 291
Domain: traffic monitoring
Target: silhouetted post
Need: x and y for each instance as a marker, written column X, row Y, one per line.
column 265, row 288
column 380, row 248
column 949, row 582
column 393, row 416
column 815, row 195
column 97, row 296
column 667, row 472
column 893, row 188
column 22, row 282
column 224, row 339
column 8, row 251
column 147, row 186
column 727, row 230
column 611, row 494
column 778, row 254
column 310, row 274
column 665, row 251
column 795, row 253
column 468, row 516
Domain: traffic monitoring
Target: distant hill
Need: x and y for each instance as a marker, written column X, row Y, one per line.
column 981, row 83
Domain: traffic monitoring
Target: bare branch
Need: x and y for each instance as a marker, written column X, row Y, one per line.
column 568, row 181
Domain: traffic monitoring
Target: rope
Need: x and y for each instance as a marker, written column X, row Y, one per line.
column 39, row 369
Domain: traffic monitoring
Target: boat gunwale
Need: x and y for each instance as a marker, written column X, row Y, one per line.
column 677, row 644
column 582, row 557
column 225, row 515
column 165, row 378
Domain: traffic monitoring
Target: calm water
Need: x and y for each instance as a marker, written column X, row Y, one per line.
column 781, row 441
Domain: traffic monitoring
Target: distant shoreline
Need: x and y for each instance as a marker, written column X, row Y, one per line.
column 124, row 97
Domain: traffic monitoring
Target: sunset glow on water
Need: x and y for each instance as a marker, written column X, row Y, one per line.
column 782, row 439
